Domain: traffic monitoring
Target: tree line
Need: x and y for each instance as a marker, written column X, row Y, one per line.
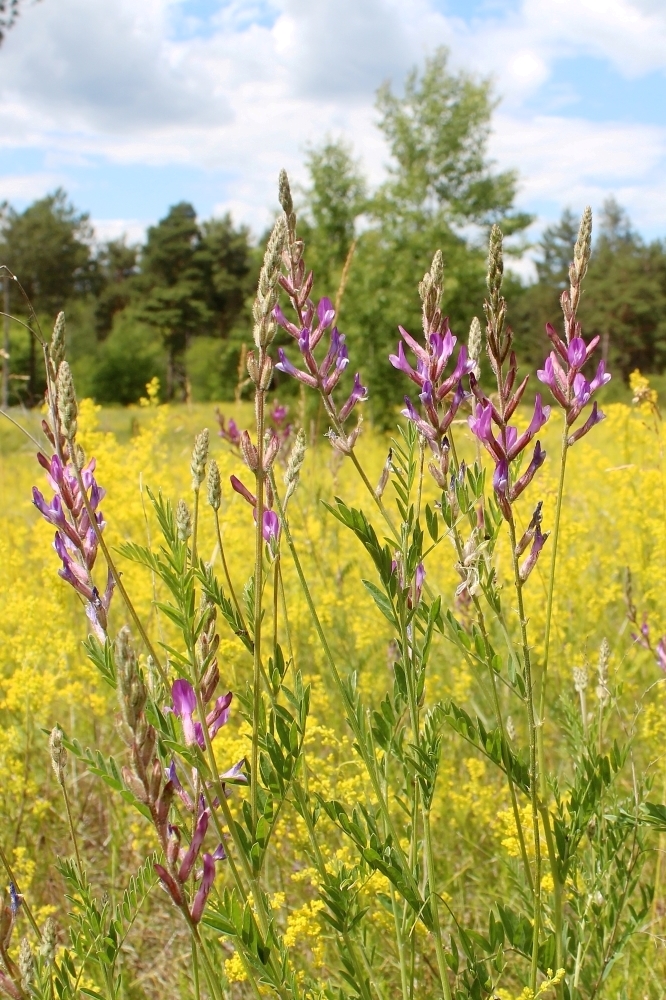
column 178, row 306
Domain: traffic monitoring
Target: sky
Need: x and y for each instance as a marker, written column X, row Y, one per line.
column 133, row 106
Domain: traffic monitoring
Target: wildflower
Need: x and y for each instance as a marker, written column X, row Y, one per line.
column 76, row 540
column 229, row 432
column 184, row 706
column 270, row 524
column 432, row 358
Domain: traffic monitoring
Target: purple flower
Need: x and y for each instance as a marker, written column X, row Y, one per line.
column 576, row 352
column 501, row 478
column 271, row 526
column 235, row 774
column 196, row 843
column 285, row 365
column 184, row 705
column 325, row 313
column 359, row 394
column 538, row 542
column 400, row 362
column 595, row 417
column 206, row 884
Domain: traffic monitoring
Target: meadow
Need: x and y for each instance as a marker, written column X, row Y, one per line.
column 391, row 819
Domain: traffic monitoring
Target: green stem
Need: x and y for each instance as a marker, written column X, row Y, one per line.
column 72, row 831
column 195, row 529
column 549, row 601
column 12, row 878
column 534, row 795
column 258, row 562
column 368, row 760
column 195, row 970
column 227, row 575
column 434, row 906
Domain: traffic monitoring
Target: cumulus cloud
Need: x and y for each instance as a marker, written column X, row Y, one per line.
column 244, row 91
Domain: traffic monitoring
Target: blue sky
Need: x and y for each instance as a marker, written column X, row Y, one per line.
column 134, row 106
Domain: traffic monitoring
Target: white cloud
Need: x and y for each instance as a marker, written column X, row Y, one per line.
column 84, row 81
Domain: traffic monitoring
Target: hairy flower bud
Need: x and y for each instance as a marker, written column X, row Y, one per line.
column 284, row 193
column 384, row 478
column 183, row 521
column 214, row 485
column 131, row 688
column 267, row 296
column 58, row 753
column 66, row 396
column 26, row 964
column 495, row 261
column 266, row 374
column 57, row 345
column 47, row 947
column 295, row 464
column 199, row 459
column 248, row 451
column 430, row 291
column 580, row 679
column 253, row 368
column 602, row 690
column 475, row 346
column 583, row 245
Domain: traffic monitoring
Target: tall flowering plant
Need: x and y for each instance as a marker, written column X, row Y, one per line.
column 582, row 829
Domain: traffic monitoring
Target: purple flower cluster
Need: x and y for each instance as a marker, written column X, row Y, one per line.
column 508, row 446
column 429, row 376
column 184, row 706
column 325, row 374
column 562, row 373
column 75, row 539
column 642, row 638
column 181, row 862
column 229, row 430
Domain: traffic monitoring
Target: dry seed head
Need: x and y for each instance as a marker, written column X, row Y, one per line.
column 199, row 459
column 58, row 754
column 183, row 521
column 67, row 408
column 26, row 964
column 47, row 947
column 57, row 345
column 214, row 485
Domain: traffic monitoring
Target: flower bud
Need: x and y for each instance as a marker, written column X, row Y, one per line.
column 57, row 345
column 183, row 521
column 383, row 479
column 26, row 964
column 66, row 397
column 266, row 374
column 214, row 485
column 248, row 451
column 58, row 754
column 47, row 948
column 131, row 688
column 199, row 458
column 294, row 464
column 253, row 368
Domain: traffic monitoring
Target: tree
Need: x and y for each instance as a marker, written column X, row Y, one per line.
column 170, row 288
column 115, row 265
column 47, row 247
column 9, row 12
column 335, row 199
column 441, row 187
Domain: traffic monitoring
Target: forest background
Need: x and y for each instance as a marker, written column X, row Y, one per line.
column 178, row 306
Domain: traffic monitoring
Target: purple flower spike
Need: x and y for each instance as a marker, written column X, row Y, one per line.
column 205, row 887
column 566, row 381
